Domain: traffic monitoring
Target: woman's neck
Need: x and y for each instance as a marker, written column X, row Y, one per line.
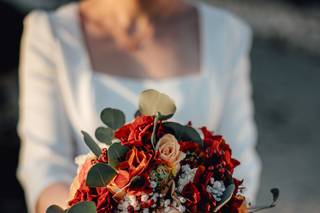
column 129, row 22
column 154, row 9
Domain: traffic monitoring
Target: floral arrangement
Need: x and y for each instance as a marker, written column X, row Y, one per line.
column 152, row 164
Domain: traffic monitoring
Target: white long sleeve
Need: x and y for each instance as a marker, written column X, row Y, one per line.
column 46, row 148
column 60, row 95
column 238, row 127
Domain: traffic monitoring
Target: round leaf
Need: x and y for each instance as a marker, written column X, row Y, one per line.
column 83, row 207
column 136, row 182
column 151, row 102
column 91, row 144
column 104, row 135
column 100, row 175
column 116, row 153
column 184, row 133
column 54, row 209
column 113, row 118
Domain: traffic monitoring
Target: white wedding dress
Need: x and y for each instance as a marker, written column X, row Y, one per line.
column 60, row 95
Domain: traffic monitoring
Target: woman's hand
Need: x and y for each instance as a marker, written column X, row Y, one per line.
column 57, row 193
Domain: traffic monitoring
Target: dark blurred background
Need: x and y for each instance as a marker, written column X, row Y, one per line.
column 286, row 82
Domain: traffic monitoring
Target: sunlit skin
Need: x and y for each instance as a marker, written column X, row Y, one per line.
column 137, row 39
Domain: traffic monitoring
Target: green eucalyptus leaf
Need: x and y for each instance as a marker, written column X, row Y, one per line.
column 83, row 207
column 100, row 175
column 116, row 153
column 104, row 135
column 151, row 102
column 93, row 146
column 165, row 117
column 54, row 209
column 154, row 134
column 183, row 133
column 113, row 118
column 136, row 182
column 227, row 195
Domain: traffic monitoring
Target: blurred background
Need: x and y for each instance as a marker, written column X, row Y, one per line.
column 286, row 85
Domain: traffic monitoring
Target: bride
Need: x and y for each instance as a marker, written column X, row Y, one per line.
column 97, row 53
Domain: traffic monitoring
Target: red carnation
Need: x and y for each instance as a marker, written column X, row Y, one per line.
column 136, row 132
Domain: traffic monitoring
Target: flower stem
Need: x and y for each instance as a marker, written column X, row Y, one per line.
column 154, row 134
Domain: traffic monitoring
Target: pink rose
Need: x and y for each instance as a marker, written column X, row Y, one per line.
column 85, row 163
column 169, row 150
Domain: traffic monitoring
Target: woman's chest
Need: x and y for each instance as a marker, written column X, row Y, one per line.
column 172, row 51
column 161, row 60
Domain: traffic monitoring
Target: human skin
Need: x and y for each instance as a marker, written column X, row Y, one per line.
column 136, row 39
column 57, row 193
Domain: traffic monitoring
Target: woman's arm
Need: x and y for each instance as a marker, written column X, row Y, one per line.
column 61, row 192
column 46, row 154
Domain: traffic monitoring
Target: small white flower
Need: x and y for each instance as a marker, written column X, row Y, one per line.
column 155, row 197
column 212, row 181
column 153, row 184
column 144, row 197
column 120, row 206
column 167, row 209
column 217, row 189
column 174, row 203
column 181, row 208
column 145, row 211
column 182, row 199
column 166, row 203
column 125, row 204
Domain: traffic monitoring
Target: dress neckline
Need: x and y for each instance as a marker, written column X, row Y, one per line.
column 194, row 76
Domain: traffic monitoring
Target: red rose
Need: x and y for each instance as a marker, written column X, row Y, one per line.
column 237, row 204
column 136, row 162
column 101, row 196
column 136, row 132
column 215, row 145
column 140, row 184
column 103, row 158
column 189, row 146
column 131, row 177
column 192, row 194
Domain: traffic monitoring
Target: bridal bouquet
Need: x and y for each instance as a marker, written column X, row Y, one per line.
column 152, row 164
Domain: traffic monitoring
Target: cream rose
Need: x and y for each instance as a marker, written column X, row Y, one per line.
column 168, row 210
column 84, row 164
column 169, row 150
